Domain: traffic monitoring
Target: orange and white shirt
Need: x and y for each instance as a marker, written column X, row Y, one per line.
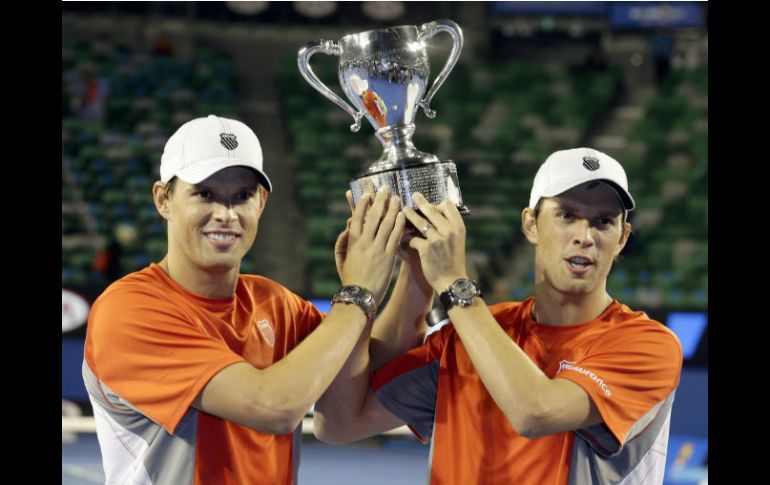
column 152, row 346
column 627, row 363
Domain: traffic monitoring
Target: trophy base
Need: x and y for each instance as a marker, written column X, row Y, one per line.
column 437, row 181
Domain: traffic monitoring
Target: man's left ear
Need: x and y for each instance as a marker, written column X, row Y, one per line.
column 626, row 233
column 263, row 194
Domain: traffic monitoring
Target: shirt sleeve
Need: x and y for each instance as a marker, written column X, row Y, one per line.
column 152, row 354
column 407, row 385
column 629, row 375
column 306, row 315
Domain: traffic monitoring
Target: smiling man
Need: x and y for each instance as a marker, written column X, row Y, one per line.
column 569, row 386
column 199, row 374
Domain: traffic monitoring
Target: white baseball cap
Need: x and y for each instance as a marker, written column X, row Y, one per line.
column 566, row 169
column 204, row 146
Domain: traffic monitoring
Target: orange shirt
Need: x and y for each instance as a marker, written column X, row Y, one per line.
column 152, row 346
column 628, row 364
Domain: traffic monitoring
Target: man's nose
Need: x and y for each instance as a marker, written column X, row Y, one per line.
column 584, row 233
column 224, row 212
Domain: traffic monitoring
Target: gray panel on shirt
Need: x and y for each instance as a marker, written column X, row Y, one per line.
column 412, row 397
column 296, row 443
column 591, row 462
column 169, row 459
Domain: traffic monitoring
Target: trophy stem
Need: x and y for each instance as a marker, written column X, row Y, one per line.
column 399, row 149
column 396, row 135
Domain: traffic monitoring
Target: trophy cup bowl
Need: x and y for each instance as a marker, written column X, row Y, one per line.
column 384, row 73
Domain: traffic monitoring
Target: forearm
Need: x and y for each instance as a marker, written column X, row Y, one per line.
column 338, row 413
column 298, row 380
column 348, row 411
column 401, row 324
column 517, row 385
column 533, row 403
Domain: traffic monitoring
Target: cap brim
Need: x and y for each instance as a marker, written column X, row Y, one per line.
column 200, row 171
column 625, row 198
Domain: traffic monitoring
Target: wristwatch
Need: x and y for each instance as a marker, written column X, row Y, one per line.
column 459, row 293
column 357, row 296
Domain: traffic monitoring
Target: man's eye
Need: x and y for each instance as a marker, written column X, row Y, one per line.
column 204, row 194
column 245, row 195
column 605, row 222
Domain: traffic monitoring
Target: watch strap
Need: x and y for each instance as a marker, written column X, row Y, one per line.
column 363, row 298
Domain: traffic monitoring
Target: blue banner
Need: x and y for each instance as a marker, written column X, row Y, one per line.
column 550, row 8
column 636, row 15
column 72, row 386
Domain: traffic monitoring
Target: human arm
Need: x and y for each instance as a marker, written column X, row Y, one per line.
column 534, row 404
column 401, row 324
column 275, row 399
column 349, row 411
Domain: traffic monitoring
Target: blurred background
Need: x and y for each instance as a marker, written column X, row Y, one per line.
column 626, row 78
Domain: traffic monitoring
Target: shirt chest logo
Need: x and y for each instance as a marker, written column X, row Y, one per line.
column 267, row 332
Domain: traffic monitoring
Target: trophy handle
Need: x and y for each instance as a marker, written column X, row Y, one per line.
column 303, row 61
column 427, row 31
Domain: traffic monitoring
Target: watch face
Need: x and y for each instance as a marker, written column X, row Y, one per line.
column 355, row 292
column 464, row 289
column 352, row 294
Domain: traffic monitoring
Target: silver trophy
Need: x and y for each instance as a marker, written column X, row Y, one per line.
column 384, row 73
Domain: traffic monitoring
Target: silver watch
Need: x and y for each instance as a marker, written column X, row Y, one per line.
column 459, row 293
column 357, row 296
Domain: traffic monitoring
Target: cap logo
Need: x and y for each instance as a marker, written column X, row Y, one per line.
column 591, row 163
column 228, row 140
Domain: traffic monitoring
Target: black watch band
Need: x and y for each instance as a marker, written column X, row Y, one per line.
column 446, row 300
column 437, row 316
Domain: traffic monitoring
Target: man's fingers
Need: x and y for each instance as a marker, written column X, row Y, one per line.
column 433, row 215
column 449, row 210
column 417, row 243
column 388, row 222
column 349, row 196
column 375, row 213
column 395, row 235
column 421, row 223
column 357, row 220
column 341, row 246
